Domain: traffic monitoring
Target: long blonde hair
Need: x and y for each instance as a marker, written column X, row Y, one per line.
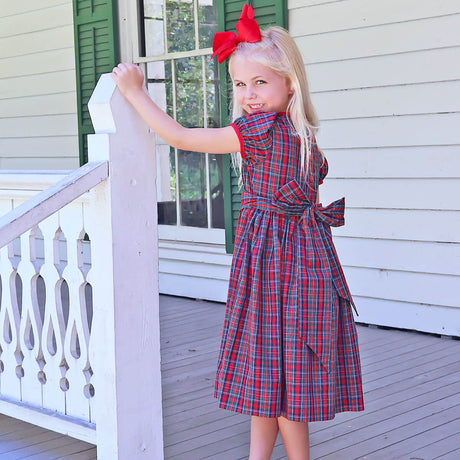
column 278, row 51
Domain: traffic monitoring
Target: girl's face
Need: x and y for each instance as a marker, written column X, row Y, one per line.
column 258, row 88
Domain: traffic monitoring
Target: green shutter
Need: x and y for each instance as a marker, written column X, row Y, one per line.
column 96, row 52
column 267, row 13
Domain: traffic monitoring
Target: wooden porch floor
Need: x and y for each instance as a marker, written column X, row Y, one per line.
column 412, row 397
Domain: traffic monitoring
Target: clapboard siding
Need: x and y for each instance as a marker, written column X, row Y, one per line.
column 422, row 34
column 386, row 162
column 38, row 121
column 385, row 77
column 194, row 270
column 388, row 101
column 393, row 69
column 401, row 224
column 24, row 6
column 412, row 193
column 409, row 130
column 400, row 255
column 45, row 62
column 353, row 14
column 437, row 319
column 35, row 20
column 46, row 104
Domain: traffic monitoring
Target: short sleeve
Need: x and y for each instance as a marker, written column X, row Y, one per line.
column 323, row 171
column 255, row 132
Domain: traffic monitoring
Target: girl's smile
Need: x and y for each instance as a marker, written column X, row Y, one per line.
column 258, row 88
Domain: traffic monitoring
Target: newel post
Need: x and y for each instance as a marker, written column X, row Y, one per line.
column 124, row 253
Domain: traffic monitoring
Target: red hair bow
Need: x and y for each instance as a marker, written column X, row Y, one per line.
column 248, row 31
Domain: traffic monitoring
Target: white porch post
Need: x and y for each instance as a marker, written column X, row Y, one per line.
column 123, row 233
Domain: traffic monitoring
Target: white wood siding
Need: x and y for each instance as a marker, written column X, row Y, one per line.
column 385, row 78
column 38, row 111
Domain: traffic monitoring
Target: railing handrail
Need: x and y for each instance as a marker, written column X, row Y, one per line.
column 44, row 204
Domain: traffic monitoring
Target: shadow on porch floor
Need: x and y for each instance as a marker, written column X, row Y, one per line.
column 412, row 397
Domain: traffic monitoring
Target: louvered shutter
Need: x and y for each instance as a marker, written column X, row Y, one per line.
column 267, row 13
column 96, row 52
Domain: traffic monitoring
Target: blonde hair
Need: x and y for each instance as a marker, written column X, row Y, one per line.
column 278, row 51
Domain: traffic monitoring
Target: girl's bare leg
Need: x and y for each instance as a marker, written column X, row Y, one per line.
column 263, row 436
column 295, row 439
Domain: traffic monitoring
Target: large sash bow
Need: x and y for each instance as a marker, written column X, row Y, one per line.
column 291, row 200
column 314, row 320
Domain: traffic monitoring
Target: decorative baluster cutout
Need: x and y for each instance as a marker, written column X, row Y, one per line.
column 9, row 323
column 77, row 332
column 31, row 324
column 53, row 322
column 89, row 389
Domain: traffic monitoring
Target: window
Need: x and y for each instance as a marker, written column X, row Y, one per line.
column 177, row 37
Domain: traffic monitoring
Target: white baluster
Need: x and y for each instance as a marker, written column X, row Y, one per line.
column 77, row 327
column 30, row 330
column 11, row 358
column 90, row 279
column 53, row 324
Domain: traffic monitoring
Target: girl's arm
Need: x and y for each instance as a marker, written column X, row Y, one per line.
column 130, row 78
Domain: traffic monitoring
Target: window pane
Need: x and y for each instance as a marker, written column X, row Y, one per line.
column 207, row 18
column 181, row 30
column 154, row 27
column 166, row 185
column 189, row 92
column 160, row 90
column 192, row 184
column 212, row 93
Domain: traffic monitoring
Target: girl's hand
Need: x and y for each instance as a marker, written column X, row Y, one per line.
column 129, row 79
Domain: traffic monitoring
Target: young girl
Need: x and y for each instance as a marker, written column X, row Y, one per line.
column 289, row 350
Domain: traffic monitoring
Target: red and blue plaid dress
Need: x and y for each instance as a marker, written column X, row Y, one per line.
column 289, row 346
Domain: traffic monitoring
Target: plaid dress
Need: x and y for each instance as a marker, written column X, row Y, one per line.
column 289, row 346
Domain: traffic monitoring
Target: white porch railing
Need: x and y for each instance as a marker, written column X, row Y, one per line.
column 79, row 325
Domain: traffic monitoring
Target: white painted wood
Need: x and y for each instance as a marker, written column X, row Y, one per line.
column 30, row 329
column 10, row 9
column 36, row 42
column 36, row 20
column 399, row 37
column 47, row 82
column 353, row 14
column 195, row 288
column 53, row 322
column 30, row 148
column 76, row 340
column 412, row 256
column 10, row 384
column 388, row 101
column 33, row 181
column 49, row 420
column 411, row 225
column 423, row 288
column 127, row 377
column 50, row 125
column 292, row 4
column 71, row 187
column 196, row 270
column 38, row 162
column 50, row 104
column 410, row 130
column 406, row 315
column 191, row 234
column 436, row 194
column 38, row 88
column 398, row 162
column 393, row 69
